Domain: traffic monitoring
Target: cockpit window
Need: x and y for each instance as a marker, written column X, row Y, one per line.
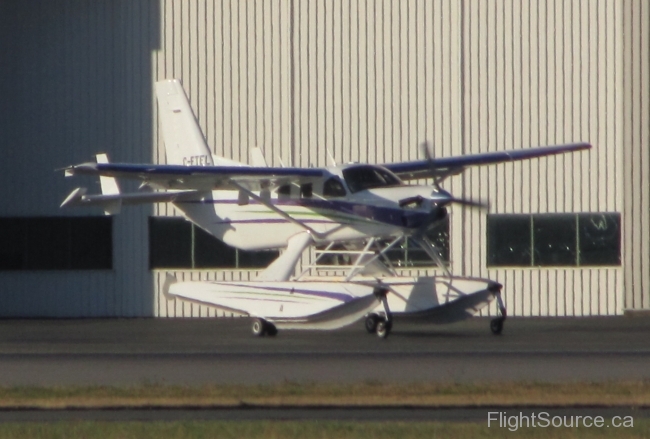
column 360, row 178
column 333, row 188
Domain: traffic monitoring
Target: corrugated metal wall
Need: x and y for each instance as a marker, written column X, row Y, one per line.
column 367, row 80
column 636, row 152
column 75, row 80
column 545, row 73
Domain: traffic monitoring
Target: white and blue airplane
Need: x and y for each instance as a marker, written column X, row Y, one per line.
column 256, row 207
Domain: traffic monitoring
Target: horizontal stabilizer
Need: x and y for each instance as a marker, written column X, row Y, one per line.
column 112, row 203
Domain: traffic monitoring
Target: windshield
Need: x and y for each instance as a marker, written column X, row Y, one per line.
column 360, row 178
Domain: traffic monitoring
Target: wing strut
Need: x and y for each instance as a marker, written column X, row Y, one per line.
column 282, row 268
column 267, row 203
column 431, row 250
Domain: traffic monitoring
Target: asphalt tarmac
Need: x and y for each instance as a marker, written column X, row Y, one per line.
column 200, row 351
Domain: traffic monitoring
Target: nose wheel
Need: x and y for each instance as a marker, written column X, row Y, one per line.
column 383, row 328
column 496, row 325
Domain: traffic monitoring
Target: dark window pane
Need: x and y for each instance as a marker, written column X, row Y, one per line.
column 48, row 243
column 600, row 238
column 409, row 254
column 56, row 243
column 209, row 252
column 508, row 238
column 554, row 240
column 333, row 188
column 12, row 247
column 364, row 177
column 306, row 190
column 256, row 259
column 91, row 242
column 439, row 236
column 170, row 243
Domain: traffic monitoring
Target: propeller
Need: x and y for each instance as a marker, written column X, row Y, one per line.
column 426, row 149
column 438, row 202
column 441, row 197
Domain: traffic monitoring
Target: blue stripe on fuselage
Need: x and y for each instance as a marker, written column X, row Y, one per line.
column 393, row 216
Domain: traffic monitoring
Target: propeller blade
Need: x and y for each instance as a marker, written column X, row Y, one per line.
column 441, row 197
column 470, row 203
column 427, row 151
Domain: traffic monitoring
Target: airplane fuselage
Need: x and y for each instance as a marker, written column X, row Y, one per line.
column 392, row 210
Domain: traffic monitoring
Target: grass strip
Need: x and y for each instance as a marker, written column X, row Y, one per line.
column 632, row 393
column 301, row 429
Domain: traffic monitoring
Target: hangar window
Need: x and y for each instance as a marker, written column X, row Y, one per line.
column 177, row 243
column 554, row 240
column 56, row 243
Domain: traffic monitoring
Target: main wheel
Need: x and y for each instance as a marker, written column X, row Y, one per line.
column 271, row 330
column 258, row 328
column 496, row 325
column 383, row 328
column 371, row 323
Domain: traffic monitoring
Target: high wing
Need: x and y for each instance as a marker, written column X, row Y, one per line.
column 447, row 166
column 200, row 177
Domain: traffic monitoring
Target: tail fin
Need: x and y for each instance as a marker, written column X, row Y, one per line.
column 184, row 141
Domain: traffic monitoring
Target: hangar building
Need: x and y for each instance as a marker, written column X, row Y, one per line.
column 367, row 80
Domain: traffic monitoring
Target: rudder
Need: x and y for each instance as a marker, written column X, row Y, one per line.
column 184, row 141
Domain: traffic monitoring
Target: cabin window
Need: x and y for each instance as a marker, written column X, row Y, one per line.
column 359, row 178
column 306, row 190
column 554, row 240
column 177, row 243
column 334, row 188
column 56, row 243
column 284, row 190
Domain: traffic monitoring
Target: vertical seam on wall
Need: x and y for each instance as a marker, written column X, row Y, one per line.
column 292, row 86
column 463, row 99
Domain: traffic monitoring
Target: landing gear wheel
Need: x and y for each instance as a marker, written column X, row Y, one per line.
column 496, row 325
column 271, row 330
column 371, row 323
column 258, row 328
column 383, row 328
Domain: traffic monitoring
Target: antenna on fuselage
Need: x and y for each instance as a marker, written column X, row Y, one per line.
column 329, row 153
column 426, row 148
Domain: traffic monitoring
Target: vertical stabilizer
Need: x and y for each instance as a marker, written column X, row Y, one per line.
column 184, row 141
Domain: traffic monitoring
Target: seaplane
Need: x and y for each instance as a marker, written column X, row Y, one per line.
column 356, row 211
